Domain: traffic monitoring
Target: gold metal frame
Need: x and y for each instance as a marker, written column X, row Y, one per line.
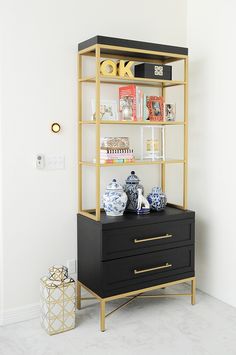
column 133, row 295
column 97, row 51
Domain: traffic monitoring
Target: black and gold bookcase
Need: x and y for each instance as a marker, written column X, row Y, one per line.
column 124, row 257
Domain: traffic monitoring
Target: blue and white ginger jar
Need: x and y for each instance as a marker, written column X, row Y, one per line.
column 114, row 199
column 131, row 188
column 157, row 199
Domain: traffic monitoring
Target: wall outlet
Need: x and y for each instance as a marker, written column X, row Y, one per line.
column 71, row 264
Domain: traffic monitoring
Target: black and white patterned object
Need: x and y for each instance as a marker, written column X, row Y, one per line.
column 157, row 199
column 114, row 199
column 131, row 188
column 158, row 70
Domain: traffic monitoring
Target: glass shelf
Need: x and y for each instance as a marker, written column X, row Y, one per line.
column 137, row 123
column 136, row 162
column 106, row 79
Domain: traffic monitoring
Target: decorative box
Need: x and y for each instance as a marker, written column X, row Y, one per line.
column 115, row 143
column 57, row 296
column 153, row 71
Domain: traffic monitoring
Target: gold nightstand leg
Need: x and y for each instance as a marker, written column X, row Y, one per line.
column 102, row 315
column 78, row 295
column 193, row 291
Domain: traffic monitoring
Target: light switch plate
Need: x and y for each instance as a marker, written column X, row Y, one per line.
column 55, row 162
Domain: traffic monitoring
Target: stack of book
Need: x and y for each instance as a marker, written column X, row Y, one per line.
column 116, row 155
column 116, row 150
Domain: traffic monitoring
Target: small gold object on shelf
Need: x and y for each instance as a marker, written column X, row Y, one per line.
column 108, row 67
column 122, row 68
column 152, row 147
column 152, row 142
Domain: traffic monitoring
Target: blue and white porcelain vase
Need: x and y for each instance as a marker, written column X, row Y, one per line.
column 131, row 188
column 157, row 199
column 114, row 199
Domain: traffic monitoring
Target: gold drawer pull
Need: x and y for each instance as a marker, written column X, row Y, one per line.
column 167, row 265
column 153, row 238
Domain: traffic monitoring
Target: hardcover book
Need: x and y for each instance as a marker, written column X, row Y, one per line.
column 127, row 99
column 139, row 104
column 118, row 155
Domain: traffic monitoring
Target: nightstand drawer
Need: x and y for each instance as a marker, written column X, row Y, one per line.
column 129, row 241
column 141, row 269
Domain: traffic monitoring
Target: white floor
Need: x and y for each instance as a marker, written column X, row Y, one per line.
column 167, row 326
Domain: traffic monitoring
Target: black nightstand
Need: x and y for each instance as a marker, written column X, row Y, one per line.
column 124, row 256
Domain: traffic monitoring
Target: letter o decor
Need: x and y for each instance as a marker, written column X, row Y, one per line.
column 108, row 67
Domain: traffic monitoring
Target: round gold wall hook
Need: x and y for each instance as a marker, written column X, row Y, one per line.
column 55, row 127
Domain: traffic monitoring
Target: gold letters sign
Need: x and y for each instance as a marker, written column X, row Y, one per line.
column 121, row 68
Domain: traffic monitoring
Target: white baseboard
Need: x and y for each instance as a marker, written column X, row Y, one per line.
column 19, row 314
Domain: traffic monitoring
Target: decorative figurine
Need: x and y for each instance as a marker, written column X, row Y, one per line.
column 114, row 199
column 157, row 199
column 131, row 188
column 143, row 204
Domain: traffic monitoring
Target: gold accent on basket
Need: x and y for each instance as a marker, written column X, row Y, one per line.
column 167, row 265
column 153, row 238
column 57, row 299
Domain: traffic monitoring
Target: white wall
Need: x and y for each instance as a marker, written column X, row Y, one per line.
column 1, row 231
column 39, row 80
column 211, row 30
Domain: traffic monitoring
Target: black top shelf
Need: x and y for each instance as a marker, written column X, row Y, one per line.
column 120, row 42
